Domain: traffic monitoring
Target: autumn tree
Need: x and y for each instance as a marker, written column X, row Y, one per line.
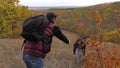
column 11, row 16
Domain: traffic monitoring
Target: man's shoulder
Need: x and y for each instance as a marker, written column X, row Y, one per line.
column 51, row 25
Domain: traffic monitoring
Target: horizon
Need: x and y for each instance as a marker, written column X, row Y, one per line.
column 51, row 7
column 60, row 7
column 41, row 3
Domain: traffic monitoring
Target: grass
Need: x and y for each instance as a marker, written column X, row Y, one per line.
column 61, row 55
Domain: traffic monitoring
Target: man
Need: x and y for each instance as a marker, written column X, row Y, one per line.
column 80, row 46
column 35, row 52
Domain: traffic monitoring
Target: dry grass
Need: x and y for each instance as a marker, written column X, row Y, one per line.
column 61, row 55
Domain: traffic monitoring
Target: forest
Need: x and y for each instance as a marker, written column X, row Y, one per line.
column 100, row 21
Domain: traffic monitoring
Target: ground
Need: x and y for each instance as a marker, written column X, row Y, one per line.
column 106, row 55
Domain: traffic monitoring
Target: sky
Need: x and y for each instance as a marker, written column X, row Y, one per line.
column 64, row 2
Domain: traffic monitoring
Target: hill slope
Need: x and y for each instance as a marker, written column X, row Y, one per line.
column 61, row 55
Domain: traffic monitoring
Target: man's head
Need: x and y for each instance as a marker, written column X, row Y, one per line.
column 51, row 16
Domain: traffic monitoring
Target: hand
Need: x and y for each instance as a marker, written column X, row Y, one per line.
column 69, row 41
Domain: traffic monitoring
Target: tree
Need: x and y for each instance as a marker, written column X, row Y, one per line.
column 11, row 15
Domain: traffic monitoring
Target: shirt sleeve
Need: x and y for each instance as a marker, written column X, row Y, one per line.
column 58, row 33
column 74, row 47
column 84, row 47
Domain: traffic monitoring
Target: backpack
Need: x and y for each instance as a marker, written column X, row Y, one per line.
column 84, row 37
column 33, row 28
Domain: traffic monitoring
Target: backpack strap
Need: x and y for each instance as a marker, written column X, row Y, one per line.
column 51, row 25
column 49, row 29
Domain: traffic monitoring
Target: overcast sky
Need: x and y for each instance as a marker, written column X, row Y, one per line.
column 64, row 2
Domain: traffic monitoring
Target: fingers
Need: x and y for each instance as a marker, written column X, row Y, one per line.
column 69, row 41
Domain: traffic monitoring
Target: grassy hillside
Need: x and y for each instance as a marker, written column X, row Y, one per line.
column 102, row 19
column 106, row 55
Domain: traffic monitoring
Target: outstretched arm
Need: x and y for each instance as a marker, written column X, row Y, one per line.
column 58, row 33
